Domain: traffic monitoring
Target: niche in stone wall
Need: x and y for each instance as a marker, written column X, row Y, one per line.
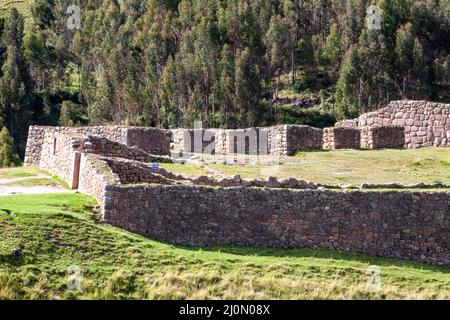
column 55, row 141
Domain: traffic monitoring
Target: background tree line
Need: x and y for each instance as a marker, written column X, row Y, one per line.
column 229, row 63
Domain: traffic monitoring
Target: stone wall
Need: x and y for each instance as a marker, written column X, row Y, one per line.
column 347, row 124
column 377, row 137
column 265, row 213
column 189, row 141
column 95, row 175
column 148, row 139
column 34, row 145
column 277, row 140
column 303, row 137
column 64, row 154
column 151, row 140
column 341, row 138
column 108, row 148
column 403, row 225
column 59, row 152
column 426, row 124
column 133, row 172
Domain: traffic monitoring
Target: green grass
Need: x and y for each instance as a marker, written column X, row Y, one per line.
column 44, row 235
column 29, row 177
column 19, row 172
column 31, row 182
column 429, row 165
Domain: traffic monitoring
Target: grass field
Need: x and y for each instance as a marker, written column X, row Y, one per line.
column 429, row 165
column 42, row 236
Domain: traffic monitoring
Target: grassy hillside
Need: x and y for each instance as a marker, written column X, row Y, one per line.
column 42, row 236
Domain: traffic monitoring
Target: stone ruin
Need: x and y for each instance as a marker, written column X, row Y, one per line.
column 116, row 166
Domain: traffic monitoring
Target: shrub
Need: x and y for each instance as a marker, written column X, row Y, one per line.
column 8, row 155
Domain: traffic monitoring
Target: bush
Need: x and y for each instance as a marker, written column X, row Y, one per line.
column 71, row 115
column 309, row 117
column 8, row 155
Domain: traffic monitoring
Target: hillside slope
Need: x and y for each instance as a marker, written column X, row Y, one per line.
column 43, row 236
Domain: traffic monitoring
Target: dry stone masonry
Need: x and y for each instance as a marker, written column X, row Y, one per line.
column 116, row 166
column 426, row 124
column 277, row 140
column 341, row 138
column 403, row 225
column 377, row 137
column 151, row 140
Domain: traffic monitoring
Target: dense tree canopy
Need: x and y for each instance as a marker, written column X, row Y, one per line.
column 229, row 63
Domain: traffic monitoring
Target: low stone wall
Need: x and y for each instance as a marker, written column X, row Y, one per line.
column 378, row 137
column 133, row 172
column 341, row 138
column 108, row 148
column 426, row 124
column 277, row 140
column 391, row 224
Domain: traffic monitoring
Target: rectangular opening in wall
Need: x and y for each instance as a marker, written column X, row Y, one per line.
column 54, row 146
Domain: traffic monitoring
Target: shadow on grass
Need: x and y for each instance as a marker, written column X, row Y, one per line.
column 322, row 254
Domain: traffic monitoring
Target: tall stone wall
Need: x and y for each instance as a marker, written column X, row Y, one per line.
column 59, row 155
column 303, row 137
column 276, row 140
column 391, row 224
column 151, row 140
column 427, row 124
column 36, row 135
column 95, row 175
column 65, row 154
column 341, row 138
column 211, row 141
column 378, row 137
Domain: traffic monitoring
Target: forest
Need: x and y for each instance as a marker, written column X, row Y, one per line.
column 228, row 63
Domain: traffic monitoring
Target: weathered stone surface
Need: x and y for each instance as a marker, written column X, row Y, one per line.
column 348, row 123
column 150, row 140
column 277, row 140
column 392, row 224
column 134, row 172
column 377, row 137
column 341, row 138
column 427, row 124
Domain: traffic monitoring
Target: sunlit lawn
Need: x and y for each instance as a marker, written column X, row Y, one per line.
column 429, row 165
